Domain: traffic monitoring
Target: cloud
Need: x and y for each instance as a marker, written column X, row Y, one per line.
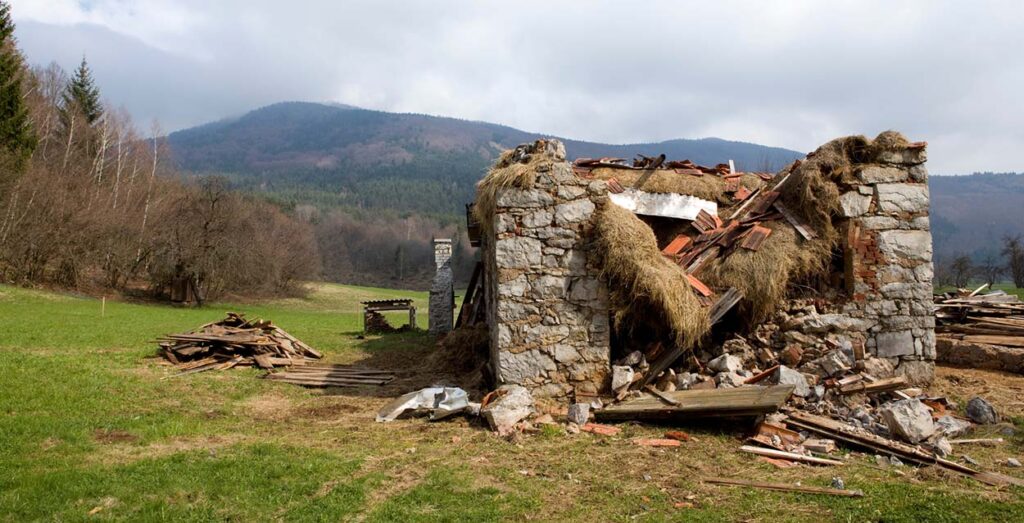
column 791, row 74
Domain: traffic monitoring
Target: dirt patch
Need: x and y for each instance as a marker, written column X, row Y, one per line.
column 270, row 406
column 1002, row 389
column 334, row 408
column 124, row 453
column 113, row 436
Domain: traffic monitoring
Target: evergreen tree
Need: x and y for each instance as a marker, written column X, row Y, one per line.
column 16, row 135
column 82, row 95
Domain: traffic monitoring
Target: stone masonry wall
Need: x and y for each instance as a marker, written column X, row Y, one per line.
column 888, row 261
column 547, row 308
column 442, row 290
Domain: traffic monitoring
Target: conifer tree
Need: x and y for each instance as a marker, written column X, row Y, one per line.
column 82, row 95
column 16, row 135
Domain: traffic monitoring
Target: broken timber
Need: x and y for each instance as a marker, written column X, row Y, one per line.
column 908, row 453
column 740, row 401
column 725, row 302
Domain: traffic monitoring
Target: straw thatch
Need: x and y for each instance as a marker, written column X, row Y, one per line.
column 642, row 283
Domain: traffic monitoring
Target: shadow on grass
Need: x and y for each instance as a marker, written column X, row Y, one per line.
column 410, row 356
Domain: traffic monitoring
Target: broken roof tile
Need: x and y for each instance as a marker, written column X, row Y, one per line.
column 705, row 221
column 677, row 245
column 742, row 194
column 756, row 237
column 614, row 186
column 764, row 201
column 699, row 286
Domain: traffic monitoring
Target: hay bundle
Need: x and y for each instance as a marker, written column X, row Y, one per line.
column 507, row 172
column 641, row 281
column 764, row 275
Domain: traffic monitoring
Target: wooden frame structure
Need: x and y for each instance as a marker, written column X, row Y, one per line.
column 377, row 306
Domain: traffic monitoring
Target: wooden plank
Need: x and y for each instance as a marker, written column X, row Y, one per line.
column 660, row 395
column 785, row 488
column 467, row 300
column 738, row 401
column 883, row 385
column 802, row 228
column 725, row 303
column 791, row 456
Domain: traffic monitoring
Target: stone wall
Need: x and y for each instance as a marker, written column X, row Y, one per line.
column 442, row 290
column 547, row 308
column 888, row 260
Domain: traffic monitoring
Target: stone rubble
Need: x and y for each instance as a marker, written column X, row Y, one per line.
column 910, row 419
column 981, row 411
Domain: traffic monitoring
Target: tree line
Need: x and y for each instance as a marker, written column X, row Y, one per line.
column 87, row 200
column 991, row 268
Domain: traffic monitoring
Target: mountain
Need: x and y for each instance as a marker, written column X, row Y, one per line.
column 342, row 156
column 971, row 214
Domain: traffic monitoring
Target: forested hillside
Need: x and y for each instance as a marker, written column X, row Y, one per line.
column 89, row 202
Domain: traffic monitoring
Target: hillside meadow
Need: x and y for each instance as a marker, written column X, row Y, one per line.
column 95, row 427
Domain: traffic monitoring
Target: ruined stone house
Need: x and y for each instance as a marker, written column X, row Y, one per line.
column 559, row 316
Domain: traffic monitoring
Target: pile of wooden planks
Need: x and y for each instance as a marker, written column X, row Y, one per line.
column 235, row 341
column 333, row 376
column 995, row 318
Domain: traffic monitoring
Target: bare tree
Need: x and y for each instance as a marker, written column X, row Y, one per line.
column 1013, row 250
column 990, row 269
column 961, row 269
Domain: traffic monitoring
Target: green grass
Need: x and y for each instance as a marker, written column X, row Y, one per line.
column 93, row 426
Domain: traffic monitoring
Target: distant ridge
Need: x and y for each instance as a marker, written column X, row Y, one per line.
column 355, row 155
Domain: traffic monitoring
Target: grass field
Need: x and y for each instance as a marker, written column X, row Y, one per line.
column 93, row 426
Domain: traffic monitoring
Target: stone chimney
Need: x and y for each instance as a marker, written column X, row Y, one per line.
column 442, row 291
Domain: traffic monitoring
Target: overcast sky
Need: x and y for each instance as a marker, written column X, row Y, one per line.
column 786, row 73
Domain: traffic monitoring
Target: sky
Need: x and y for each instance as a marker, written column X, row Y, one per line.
column 788, row 73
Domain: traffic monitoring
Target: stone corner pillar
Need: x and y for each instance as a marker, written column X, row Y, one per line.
column 442, row 291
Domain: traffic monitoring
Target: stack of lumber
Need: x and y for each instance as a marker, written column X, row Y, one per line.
column 235, row 341
column 333, row 376
column 995, row 318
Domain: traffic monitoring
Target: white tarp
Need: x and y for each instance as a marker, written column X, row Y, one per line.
column 440, row 402
column 680, row 206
